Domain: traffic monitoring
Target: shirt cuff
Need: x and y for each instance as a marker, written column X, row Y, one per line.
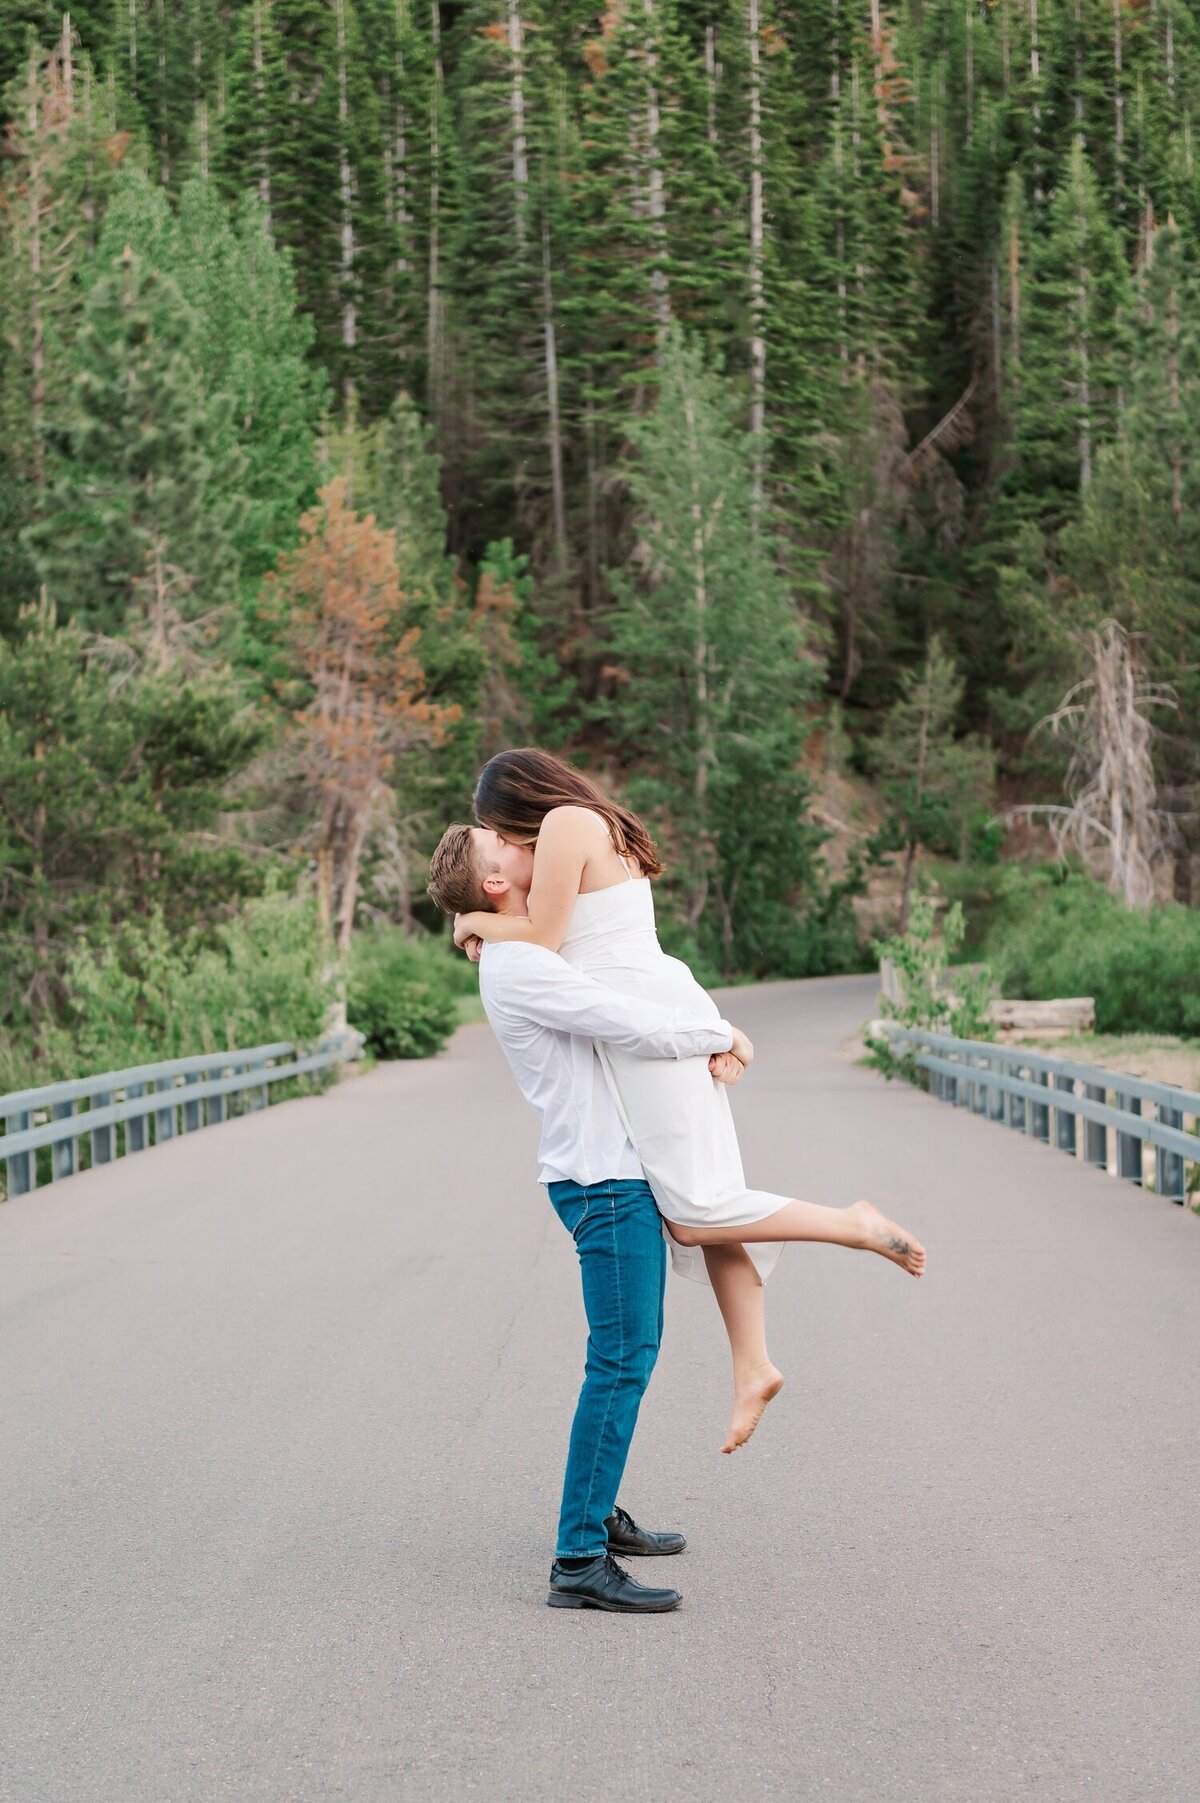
column 725, row 1032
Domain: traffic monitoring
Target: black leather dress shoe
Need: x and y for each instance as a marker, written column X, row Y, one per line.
column 631, row 1541
column 603, row 1585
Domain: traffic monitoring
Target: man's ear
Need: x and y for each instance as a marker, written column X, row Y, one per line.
column 494, row 884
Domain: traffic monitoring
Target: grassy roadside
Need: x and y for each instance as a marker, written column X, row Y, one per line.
column 1161, row 1057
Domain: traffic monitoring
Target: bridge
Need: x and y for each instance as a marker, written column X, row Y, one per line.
column 285, row 1408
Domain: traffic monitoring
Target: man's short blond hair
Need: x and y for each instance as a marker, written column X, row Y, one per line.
column 456, row 873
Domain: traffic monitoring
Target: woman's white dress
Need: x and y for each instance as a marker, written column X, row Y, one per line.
column 676, row 1114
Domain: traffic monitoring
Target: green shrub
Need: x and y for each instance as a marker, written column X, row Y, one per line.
column 402, row 991
column 142, row 995
column 1059, row 934
column 930, row 998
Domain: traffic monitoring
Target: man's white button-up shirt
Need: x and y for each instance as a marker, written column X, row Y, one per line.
column 546, row 1016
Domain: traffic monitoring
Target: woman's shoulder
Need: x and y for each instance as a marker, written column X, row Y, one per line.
column 576, row 821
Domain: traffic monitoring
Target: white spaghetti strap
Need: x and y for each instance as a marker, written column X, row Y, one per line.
column 622, row 859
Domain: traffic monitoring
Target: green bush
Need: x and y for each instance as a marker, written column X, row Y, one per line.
column 143, row 995
column 921, row 958
column 1057, row 934
column 402, row 991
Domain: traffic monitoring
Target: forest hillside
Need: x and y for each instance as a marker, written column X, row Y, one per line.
column 789, row 410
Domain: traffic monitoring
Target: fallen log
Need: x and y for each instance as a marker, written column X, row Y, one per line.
column 1062, row 1014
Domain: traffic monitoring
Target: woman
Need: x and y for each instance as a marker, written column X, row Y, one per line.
column 590, row 900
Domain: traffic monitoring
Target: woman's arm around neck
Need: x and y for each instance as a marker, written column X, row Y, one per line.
column 569, row 838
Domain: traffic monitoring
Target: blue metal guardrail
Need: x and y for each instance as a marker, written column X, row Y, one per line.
column 182, row 1095
column 1022, row 1088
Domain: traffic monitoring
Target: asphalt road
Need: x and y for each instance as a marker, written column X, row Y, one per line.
column 284, row 1411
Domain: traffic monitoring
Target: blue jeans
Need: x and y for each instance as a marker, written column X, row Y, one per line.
column 623, row 1263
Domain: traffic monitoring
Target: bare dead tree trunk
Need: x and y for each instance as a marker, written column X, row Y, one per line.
column 1035, row 73
column 1174, row 404
column 520, row 165
column 835, row 92
column 657, row 205
column 346, row 190
column 1014, row 304
column 164, row 143
column 910, row 850
column 1118, row 101
column 705, row 750
column 997, row 340
column 133, row 47
column 553, row 422
column 591, row 486
column 37, row 203
column 758, row 342
column 935, row 154
column 435, row 310
column 260, row 98
column 1082, row 351
column 1170, row 51
column 1114, row 820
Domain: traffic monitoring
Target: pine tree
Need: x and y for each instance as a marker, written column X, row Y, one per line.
column 135, row 536
column 251, row 345
column 711, row 681
column 935, row 783
column 111, row 801
column 49, row 191
column 1075, row 302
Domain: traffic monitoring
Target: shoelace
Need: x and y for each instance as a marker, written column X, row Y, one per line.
column 626, row 1521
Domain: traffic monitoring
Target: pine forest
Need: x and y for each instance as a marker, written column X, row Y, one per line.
column 786, row 410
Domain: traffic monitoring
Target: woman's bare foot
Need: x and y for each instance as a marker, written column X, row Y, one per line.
column 883, row 1236
column 750, row 1398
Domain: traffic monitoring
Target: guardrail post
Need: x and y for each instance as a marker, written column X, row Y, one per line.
column 260, row 1096
column 64, row 1154
column 996, row 1098
column 21, row 1168
column 1129, row 1145
column 216, row 1104
column 192, row 1118
column 1064, row 1120
column 102, row 1137
column 135, row 1126
column 1038, row 1113
column 164, row 1118
column 979, row 1099
column 1014, row 1106
column 1168, row 1166
column 1095, row 1133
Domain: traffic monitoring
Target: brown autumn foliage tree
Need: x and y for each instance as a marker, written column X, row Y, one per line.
column 346, row 622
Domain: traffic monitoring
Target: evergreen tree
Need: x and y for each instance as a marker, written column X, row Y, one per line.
column 111, row 800
column 935, row 783
column 251, row 346
column 49, row 192
column 135, row 536
column 712, row 683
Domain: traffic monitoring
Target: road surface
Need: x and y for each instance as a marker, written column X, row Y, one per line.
column 284, row 1411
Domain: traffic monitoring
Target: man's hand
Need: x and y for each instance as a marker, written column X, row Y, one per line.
column 741, row 1047
column 726, row 1068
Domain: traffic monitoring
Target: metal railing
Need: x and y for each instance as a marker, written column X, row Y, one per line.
column 178, row 1096
column 1021, row 1089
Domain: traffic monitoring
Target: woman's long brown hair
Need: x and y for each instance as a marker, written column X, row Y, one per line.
column 517, row 789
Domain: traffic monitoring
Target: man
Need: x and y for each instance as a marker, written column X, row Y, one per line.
column 547, row 1017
